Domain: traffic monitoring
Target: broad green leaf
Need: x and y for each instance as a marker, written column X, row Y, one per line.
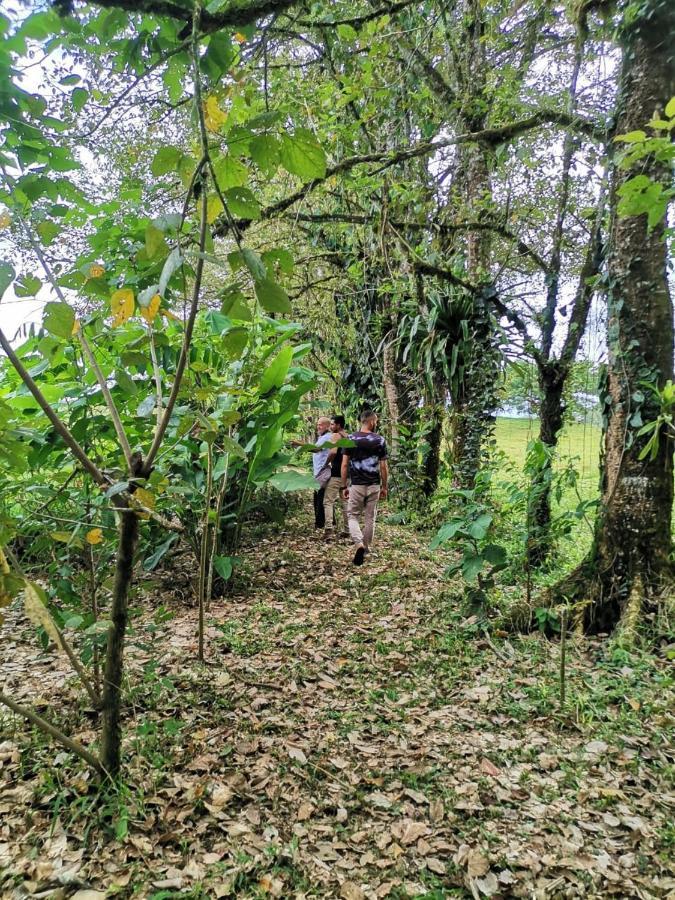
column 27, row 286
column 302, row 155
column 272, row 296
column 265, row 150
column 7, row 276
column 223, row 566
column 219, row 54
column 48, row 231
column 242, row 203
column 155, row 243
column 275, row 373
column 480, row 527
column 229, row 445
column 670, row 108
column 78, row 98
column 59, row 319
column 234, row 342
column 471, row 567
column 292, row 480
column 248, row 259
column 279, row 257
column 632, row 137
column 125, row 382
column 234, row 305
column 151, row 562
column 214, row 207
column 445, row 533
column 230, row 172
column 166, row 160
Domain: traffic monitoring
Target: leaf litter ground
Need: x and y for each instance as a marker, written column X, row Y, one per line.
column 353, row 735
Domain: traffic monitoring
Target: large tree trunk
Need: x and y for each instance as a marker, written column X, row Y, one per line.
column 630, row 559
column 111, row 735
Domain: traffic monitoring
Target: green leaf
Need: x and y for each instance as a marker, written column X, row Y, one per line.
column 670, row 108
column 151, row 562
column 480, row 527
column 248, row 259
column 219, row 54
column 27, row 286
column 632, row 137
column 166, row 160
column 265, row 151
column 275, row 374
column 242, row 203
column 230, row 172
column 155, row 244
column 302, row 155
column 48, row 231
column 292, row 480
column 234, row 342
column 471, row 566
column 59, row 319
column 223, row 566
column 347, row 33
column 272, row 296
column 229, row 445
column 234, row 305
column 125, row 382
column 7, row 275
column 282, row 258
column 78, row 98
column 445, row 533
column 495, row 555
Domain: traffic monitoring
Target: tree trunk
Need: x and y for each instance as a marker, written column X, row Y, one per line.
column 111, row 734
column 629, row 562
column 552, row 378
column 391, row 395
column 431, row 463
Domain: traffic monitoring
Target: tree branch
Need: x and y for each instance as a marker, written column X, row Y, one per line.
column 388, row 158
column 54, row 732
column 236, row 12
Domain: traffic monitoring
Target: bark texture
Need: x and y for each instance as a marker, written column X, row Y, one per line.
column 111, row 734
column 630, row 560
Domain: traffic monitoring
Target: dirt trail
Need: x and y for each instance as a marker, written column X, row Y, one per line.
column 353, row 735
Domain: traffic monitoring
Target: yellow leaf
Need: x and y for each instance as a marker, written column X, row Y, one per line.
column 122, row 305
column 96, row 270
column 213, row 114
column 4, row 565
column 151, row 309
column 145, row 498
column 38, row 613
column 95, row 536
column 76, row 327
column 239, row 37
column 5, row 220
column 214, row 207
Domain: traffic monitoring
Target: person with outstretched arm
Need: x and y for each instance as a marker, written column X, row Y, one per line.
column 366, row 465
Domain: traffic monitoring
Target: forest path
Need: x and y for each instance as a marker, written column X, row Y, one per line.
column 353, row 735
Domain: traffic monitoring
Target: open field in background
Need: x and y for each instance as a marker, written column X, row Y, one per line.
column 580, row 442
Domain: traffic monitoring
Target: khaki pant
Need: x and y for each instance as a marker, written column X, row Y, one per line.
column 331, row 495
column 363, row 500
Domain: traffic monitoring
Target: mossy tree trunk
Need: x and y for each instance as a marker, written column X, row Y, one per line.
column 630, row 560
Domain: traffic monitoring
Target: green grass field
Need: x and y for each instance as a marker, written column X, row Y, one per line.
column 578, row 442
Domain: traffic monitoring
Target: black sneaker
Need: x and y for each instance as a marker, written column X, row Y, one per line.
column 359, row 556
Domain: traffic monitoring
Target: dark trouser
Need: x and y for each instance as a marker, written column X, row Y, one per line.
column 319, row 515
